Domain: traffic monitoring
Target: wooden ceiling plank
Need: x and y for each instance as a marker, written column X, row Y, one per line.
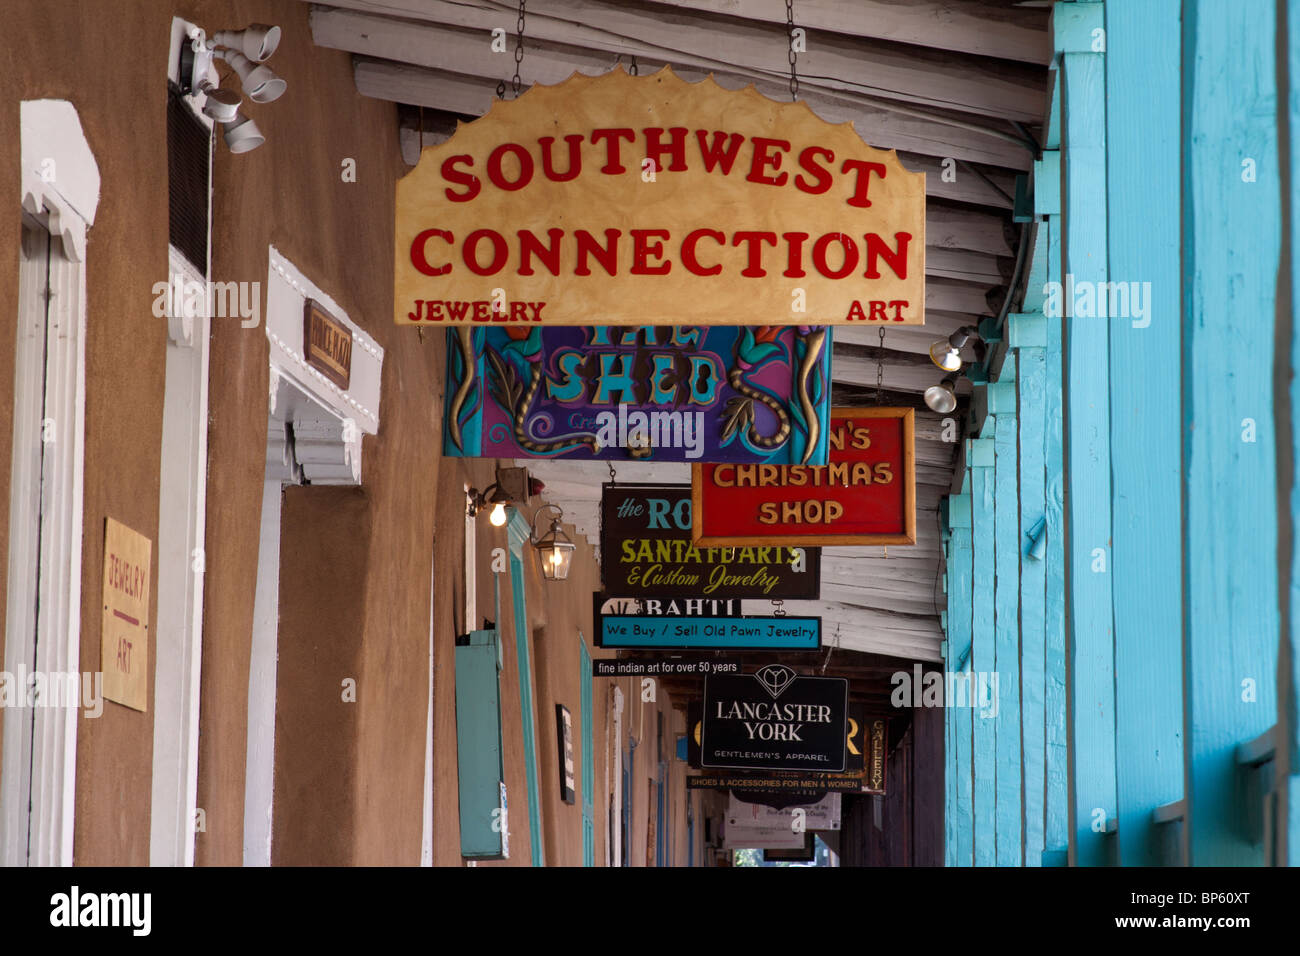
column 459, row 93
column 1017, row 33
column 584, row 35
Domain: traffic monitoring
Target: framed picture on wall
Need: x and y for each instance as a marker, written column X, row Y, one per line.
column 564, row 734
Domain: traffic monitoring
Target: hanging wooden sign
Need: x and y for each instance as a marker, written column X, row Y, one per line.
column 653, row 393
column 647, row 554
column 621, row 200
column 775, row 719
column 866, row 495
column 784, row 633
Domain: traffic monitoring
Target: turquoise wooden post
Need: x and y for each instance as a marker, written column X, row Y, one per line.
column 520, row 532
column 1289, row 683
column 1056, row 822
column 949, row 729
column 1046, row 270
column 959, row 649
column 980, row 457
column 1142, row 131
column 1083, row 133
column 1027, row 335
column 1231, row 236
column 1002, row 421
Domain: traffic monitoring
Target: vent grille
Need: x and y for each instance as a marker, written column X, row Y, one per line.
column 189, row 159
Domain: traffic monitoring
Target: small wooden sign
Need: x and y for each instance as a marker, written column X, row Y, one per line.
column 327, row 344
column 124, row 634
column 866, row 495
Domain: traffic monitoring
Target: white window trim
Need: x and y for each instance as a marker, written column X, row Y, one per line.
column 314, row 431
column 183, row 482
column 60, row 189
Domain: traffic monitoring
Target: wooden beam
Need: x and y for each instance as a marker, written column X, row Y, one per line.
column 945, row 262
column 958, row 182
column 586, row 35
column 1012, row 33
column 885, row 129
column 953, row 227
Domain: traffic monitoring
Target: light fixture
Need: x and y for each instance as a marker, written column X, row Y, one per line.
column 942, row 398
column 946, row 353
column 220, row 105
column 259, row 82
column 244, row 50
column 554, row 548
column 256, row 41
column 512, row 486
column 242, row 135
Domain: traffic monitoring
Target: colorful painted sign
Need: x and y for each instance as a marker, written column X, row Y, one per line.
column 866, row 495
column 649, row 393
column 647, row 554
column 774, row 719
column 621, row 200
column 787, row 633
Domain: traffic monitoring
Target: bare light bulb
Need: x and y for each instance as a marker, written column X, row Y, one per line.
column 498, row 515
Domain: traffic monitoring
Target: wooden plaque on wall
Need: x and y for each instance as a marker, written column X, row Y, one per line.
column 124, row 633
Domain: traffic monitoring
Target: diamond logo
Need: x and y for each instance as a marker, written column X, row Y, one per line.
column 775, row 678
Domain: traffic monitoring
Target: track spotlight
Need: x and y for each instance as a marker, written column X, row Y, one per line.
column 256, row 41
column 942, row 398
column 242, row 134
column 946, row 353
column 259, row 82
column 220, row 105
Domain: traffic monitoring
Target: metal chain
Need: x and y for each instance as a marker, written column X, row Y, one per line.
column 519, row 47
column 613, row 475
column 880, row 367
column 778, row 608
column 633, row 70
column 793, row 57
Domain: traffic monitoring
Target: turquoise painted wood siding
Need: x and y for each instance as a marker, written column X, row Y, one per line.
column 1142, row 128
column 1087, row 448
column 1288, row 805
column 1027, row 335
column 980, row 457
column 1141, row 392
column 960, row 810
column 1231, row 247
column 1010, row 782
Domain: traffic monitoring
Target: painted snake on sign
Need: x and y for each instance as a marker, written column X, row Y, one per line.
column 739, row 412
column 506, row 388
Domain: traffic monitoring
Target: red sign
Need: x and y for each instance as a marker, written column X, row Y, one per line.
column 866, row 495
